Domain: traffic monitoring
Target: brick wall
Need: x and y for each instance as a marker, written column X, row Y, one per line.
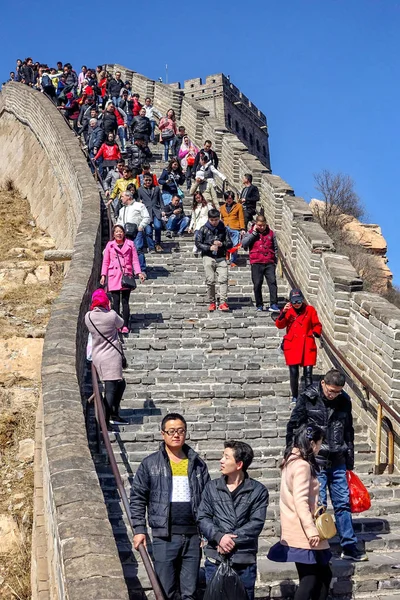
column 41, row 155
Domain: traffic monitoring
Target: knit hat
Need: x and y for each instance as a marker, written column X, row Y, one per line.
column 296, row 296
column 100, row 298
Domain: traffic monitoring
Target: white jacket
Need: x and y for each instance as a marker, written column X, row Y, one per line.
column 134, row 213
column 199, row 216
column 151, row 111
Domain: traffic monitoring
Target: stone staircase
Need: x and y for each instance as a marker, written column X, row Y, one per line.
column 224, row 372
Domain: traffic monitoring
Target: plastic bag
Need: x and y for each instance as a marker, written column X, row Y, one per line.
column 360, row 499
column 225, row 585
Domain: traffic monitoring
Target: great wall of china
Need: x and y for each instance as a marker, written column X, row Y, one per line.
column 76, row 546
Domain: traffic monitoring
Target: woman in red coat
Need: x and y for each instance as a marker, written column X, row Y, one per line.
column 109, row 154
column 299, row 347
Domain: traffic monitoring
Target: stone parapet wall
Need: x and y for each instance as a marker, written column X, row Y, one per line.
column 41, row 155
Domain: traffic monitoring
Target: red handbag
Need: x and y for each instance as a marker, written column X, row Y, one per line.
column 360, row 500
column 190, row 161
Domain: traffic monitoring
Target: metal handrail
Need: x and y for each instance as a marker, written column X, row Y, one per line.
column 101, row 421
column 365, row 386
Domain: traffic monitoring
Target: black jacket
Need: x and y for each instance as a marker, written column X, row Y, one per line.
column 335, row 419
column 152, row 486
column 244, row 516
column 170, row 181
column 27, row 74
column 137, row 155
column 95, row 137
column 152, row 199
column 114, row 87
column 208, row 234
column 176, row 144
column 141, row 127
column 110, row 123
column 169, row 209
column 251, row 196
column 213, row 157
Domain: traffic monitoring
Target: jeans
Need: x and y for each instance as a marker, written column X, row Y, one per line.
column 114, row 100
column 177, row 223
column 153, row 126
column 167, row 197
column 114, row 390
column 157, row 225
column 139, row 243
column 235, row 237
column 334, row 478
column 314, row 581
column 258, row 272
column 122, row 137
column 294, row 378
column 216, row 269
column 167, row 146
column 176, row 563
column 247, row 575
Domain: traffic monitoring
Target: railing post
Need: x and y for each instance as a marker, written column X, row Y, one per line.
column 378, row 439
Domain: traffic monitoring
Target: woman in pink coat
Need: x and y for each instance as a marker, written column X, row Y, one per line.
column 103, row 324
column 300, row 542
column 120, row 257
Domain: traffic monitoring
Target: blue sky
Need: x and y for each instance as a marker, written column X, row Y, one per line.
column 325, row 72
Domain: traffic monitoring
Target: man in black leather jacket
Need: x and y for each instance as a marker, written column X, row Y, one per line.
column 169, row 484
column 329, row 407
column 232, row 514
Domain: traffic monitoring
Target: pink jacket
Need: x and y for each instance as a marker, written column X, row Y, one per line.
column 111, row 269
column 298, row 502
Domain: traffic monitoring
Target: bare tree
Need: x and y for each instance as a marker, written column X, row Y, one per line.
column 340, row 199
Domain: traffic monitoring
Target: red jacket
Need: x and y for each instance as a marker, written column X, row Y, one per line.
column 299, row 345
column 136, row 107
column 263, row 248
column 108, row 152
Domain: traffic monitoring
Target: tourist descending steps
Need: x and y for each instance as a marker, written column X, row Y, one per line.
column 103, row 323
column 167, row 127
column 199, row 216
column 120, row 186
column 249, row 196
column 120, row 259
column 300, row 542
column 134, row 217
column 326, row 405
column 170, row 179
column 299, row 347
column 151, row 197
column 231, row 515
column 212, row 156
column 263, row 253
column 213, row 240
column 232, row 216
column 169, row 484
column 177, row 221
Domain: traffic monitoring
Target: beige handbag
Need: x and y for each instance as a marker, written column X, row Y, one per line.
column 324, row 523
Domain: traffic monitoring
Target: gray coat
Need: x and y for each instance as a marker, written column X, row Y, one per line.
column 106, row 359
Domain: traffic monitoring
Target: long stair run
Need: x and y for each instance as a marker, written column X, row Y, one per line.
column 224, row 372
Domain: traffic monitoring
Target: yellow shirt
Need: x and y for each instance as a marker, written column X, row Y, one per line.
column 121, row 186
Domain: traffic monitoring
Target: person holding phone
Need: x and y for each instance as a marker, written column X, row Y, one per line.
column 299, row 347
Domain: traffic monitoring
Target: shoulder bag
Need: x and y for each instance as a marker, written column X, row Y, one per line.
column 324, row 523
column 127, row 281
column 121, row 352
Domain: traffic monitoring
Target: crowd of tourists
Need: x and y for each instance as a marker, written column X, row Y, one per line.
column 172, row 492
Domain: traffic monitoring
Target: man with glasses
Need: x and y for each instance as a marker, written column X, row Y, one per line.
column 169, row 484
column 326, row 405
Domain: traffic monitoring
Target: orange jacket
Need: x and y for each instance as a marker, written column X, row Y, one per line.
column 235, row 218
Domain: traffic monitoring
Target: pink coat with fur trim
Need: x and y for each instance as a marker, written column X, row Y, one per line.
column 111, row 268
column 298, row 503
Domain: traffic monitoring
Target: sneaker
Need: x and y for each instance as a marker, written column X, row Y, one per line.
column 118, row 420
column 274, row 308
column 169, row 234
column 125, row 330
column 353, row 553
column 212, row 307
column 233, row 265
column 158, row 248
column 293, row 402
column 151, row 251
column 259, row 308
column 224, row 306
